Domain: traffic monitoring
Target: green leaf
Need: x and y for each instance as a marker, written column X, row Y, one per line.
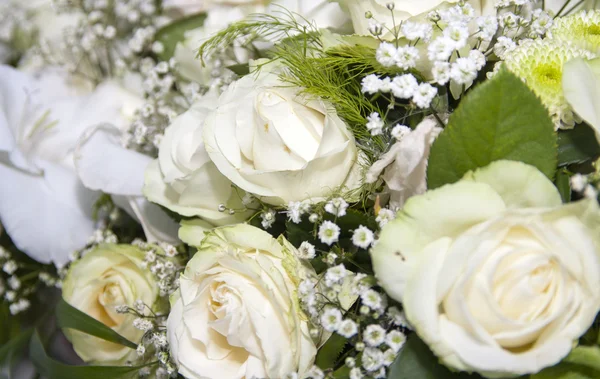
column 563, row 183
column 586, row 356
column 53, row 369
column 240, row 69
column 72, row 318
column 582, row 363
column 330, row 352
column 12, row 351
column 499, row 119
column 417, row 361
column 173, row 33
column 577, row 145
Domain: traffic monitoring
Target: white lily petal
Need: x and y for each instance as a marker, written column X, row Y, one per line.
column 103, row 164
column 46, row 216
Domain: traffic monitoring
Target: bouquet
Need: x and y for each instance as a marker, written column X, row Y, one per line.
column 215, row 189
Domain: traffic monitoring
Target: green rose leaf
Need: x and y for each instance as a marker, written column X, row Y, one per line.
column 417, row 361
column 72, row 318
column 173, row 33
column 331, row 351
column 582, row 363
column 500, row 119
column 53, row 369
column 577, row 145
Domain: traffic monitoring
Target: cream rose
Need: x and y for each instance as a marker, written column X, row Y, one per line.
column 183, row 178
column 273, row 143
column 403, row 10
column 108, row 276
column 236, row 314
column 495, row 274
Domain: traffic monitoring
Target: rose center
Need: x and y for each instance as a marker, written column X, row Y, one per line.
column 524, row 285
column 109, row 297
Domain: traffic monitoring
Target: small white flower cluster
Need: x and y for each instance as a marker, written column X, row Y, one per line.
column 376, row 334
column 296, row 209
column 154, row 345
column 403, row 87
column 404, row 57
column 17, row 282
column 588, row 186
column 108, row 40
column 163, row 261
column 384, row 216
column 522, row 24
column 161, row 106
column 100, row 235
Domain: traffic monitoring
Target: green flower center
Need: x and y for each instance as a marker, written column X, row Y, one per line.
column 593, row 30
column 548, row 74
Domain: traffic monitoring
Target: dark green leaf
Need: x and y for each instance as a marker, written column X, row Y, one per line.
column 353, row 219
column 240, row 69
column 298, row 233
column 577, row 145
column 53, row 369
column 417, row 361
column 331, row 351
column 500, row 119
column 72, row 318
column 12, row 351
column 173, row 33
column 563, row 183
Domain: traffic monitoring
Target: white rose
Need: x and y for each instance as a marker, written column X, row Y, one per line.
column 494, row 273
column 108, row 276
column 403, row 10
column 581, row 87
column 41, row 119
column 405, row 164
column 184, row 179
column 236, row 314
column 272, row 142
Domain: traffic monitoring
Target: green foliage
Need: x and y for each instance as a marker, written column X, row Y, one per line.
column 577, row 145
column 563, row 183
column 500, row 119
column 268, row 27
column 173, row 33
column 72, row 318
column 417, row 361
column 12, row 351
column 582, row 363
column 329, row 353
column 53, row 369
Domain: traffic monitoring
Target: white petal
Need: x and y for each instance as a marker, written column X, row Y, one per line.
column 581, row 86
column 520, row 185
column 103, row 164
column 47, row 217
column 158, row 226
column 192, row 232
column 444, row 212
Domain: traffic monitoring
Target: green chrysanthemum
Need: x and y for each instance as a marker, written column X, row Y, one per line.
column 540, row 64
column 581, row 29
